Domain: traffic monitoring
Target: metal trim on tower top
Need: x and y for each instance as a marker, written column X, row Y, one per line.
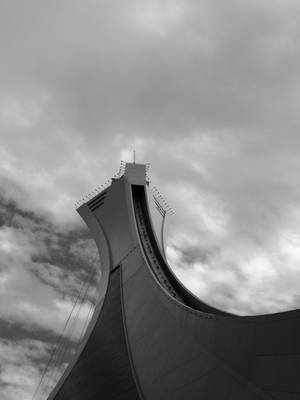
column 135, row 173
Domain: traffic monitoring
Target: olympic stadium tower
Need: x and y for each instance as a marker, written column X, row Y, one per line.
column 150, row 338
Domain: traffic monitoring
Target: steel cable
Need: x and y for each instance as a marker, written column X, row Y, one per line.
column 64, row 344
column 60, row 339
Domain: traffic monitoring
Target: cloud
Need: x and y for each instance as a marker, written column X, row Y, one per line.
column 239, row 278
column 35, row 292
column 37, row 296
column 156, row 17
column 20, row 362
column 86, row 93
column 208, row 92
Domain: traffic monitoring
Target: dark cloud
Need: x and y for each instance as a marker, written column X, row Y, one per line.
column 41, row 275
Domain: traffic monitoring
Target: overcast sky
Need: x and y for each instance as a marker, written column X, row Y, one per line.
column 206, row 91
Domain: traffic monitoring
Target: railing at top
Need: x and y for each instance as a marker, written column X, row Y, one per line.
column 162, row 204
column 148, row 180
column 100, row 188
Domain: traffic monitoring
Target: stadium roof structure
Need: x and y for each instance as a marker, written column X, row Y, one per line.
column 150, row 338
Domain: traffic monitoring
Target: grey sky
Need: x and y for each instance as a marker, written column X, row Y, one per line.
column 207, row 91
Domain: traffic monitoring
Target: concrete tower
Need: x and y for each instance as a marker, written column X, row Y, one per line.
column 150, row 338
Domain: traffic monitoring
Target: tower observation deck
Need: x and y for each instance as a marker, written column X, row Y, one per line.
column 150, row 338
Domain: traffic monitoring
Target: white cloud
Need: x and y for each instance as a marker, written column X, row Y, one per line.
column 19, row 113
column 20, row 367
column 38, row 296
column 211, row 122
column 237, row 277
column 157, row 17
column 35, row 294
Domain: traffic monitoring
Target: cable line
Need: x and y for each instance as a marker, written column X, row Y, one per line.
column 64, row 349
column 60, row 341
column 92, row 305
